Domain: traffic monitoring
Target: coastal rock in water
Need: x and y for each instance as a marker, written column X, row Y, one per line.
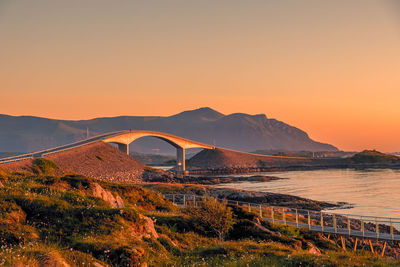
column 100, row 192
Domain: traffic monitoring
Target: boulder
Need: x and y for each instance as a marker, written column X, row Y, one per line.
column 146, row 228
column 120, row 202
column 100, row 192
column 313, row 249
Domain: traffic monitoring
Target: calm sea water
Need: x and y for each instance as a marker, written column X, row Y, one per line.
column 371, row 192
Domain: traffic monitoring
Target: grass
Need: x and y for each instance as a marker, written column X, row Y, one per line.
column 47, row 220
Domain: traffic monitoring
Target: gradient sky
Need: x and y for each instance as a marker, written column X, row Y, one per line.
column 331, row 68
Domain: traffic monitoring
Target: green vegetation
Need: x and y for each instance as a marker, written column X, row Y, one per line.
column 49, row 220
column 44, row 166
column 212, row 216
column 373, row 156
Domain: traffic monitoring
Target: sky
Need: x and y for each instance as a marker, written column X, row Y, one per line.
column 331, row 68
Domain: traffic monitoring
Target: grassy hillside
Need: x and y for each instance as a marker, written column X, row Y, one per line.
column 373, row 156
column 78, row 221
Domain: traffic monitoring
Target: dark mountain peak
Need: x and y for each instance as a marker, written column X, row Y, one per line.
column 239, row 114
column 258, row 118
column 204, row 113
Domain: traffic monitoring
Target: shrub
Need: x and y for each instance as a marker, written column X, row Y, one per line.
column 77, row 181
column 3, row 174
column 213, row 217
column 44, row 166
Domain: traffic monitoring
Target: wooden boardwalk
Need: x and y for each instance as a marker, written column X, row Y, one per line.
column 364, row 227
column 340, row 231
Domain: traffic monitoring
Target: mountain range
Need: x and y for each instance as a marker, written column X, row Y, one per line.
column 236, row 131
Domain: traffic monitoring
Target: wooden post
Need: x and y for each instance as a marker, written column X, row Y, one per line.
column 348, row 225
column 334, row 223
column 362, row 227
column 249, row 207
column 383, row 251
column 237, row 203
column 284, row 217
column 309, row 220
column 297, row 219
column 377, row 228
column 184, row 200
column 173, row 198
column 355, row 244
column 272, row 215
column 194, row 200
column 372, row 248
column 260, row 211
column 343, row 243
column 322, row 222
column 391, row 229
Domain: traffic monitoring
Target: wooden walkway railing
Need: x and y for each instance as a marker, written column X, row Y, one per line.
column 369, row 227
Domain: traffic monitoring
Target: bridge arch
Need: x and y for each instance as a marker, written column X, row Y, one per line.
column 181, row 144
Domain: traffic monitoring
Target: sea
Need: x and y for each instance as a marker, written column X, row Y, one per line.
column 372, row 192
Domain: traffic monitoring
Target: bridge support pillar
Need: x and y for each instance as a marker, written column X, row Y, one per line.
column 124, row 148
column 180, row 162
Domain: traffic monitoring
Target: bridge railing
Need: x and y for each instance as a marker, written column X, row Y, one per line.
column 371, row 227
column 58, row 148
column 15, row 159
column 67, row 148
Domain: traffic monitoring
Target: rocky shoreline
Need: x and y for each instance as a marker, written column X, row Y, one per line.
column 249, row 170
column 206, row 180
column 206, row 185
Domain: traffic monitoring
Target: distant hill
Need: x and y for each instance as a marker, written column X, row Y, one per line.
column 373, row 156
column 236, row 131
column 306, row 154
column 229, row 159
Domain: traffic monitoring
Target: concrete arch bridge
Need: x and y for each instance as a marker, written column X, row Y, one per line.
column 181, row 144
column 122, row 139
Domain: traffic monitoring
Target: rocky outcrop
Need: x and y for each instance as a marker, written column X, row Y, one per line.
column 146, row 227
column 312, row 249
column 270, row 198
column 234, row 160
column 100, row 192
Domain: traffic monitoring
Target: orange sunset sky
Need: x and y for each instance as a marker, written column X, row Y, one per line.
column 331, row 68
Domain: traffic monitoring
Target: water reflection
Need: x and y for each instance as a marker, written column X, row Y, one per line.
column 372, row 192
